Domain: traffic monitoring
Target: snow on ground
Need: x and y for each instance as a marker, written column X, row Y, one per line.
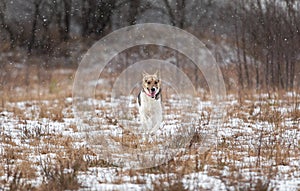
column 255, row 147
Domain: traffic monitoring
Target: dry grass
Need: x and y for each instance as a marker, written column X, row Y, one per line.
column 271, row 141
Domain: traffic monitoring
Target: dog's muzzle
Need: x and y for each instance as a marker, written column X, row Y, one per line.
column 152, row 92
column 153, row 95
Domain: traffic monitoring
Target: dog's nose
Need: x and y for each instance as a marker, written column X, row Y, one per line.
column 153, row 89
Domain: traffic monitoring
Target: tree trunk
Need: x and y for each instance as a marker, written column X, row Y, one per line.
column 240, row 69
column 180, row 10
column 67, row 18
column 133, row 11
column 245, row 59
column 34, row 26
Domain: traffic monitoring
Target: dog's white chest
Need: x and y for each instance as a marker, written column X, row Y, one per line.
column 150, row 111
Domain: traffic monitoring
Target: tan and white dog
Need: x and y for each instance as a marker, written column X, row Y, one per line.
column 149, row 102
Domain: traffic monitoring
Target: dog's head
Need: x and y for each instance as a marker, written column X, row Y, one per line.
column 151, row 84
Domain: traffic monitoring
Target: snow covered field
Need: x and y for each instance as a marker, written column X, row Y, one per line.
column 256, row 147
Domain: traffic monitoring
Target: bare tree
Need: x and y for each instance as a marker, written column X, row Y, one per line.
column 96, row 16
column 134, row 6
column 67, row 18
column 4, row 25
column 267, row 31
column 176, row 11
column 36, row 14
column 238, row 52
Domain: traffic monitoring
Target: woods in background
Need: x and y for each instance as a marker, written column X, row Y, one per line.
column 265, row 33
column 267, row 37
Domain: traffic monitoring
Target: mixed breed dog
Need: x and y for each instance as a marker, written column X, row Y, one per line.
column 149, row 102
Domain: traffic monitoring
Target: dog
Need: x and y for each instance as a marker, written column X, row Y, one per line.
column 149, row 102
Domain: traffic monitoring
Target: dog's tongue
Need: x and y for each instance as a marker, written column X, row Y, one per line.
column 152, row 94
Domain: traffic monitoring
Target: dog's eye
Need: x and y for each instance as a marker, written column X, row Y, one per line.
column 148, row 83
column 156, row 82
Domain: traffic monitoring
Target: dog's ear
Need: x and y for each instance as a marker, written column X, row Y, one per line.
column 156, row 73
column 145, row 74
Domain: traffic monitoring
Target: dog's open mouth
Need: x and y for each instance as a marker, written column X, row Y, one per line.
column 152, row 94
